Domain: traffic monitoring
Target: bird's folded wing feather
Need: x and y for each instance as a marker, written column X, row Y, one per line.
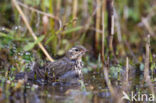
column 60, row 67
column 54, row 69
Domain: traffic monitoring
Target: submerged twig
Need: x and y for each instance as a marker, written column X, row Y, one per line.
column 30, row 29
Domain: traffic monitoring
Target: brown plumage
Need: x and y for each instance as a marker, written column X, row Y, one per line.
column 64, row 69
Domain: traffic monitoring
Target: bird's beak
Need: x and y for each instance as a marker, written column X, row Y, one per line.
column 85, row 50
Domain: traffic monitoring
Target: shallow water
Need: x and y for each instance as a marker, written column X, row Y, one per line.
column 93, row 89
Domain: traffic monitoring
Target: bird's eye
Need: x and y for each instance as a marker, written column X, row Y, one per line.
column 76, row 50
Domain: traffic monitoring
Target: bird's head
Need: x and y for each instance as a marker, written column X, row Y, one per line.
column 76, row 52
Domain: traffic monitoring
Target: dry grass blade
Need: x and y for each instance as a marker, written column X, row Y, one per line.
column 103, row 29
column 75, row 10
column 98, row 21
column 75, row 7
column 127, row 69
column 43, row 13
column 146, row 70
column 30, row 29
column 147, row 26
column 125, row 83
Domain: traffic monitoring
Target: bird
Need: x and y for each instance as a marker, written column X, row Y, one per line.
column 65, row 69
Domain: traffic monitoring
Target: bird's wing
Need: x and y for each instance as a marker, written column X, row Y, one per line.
column 39, row 72
column 59, row 67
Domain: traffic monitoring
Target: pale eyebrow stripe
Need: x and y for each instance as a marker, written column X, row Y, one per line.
column 71, row 49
